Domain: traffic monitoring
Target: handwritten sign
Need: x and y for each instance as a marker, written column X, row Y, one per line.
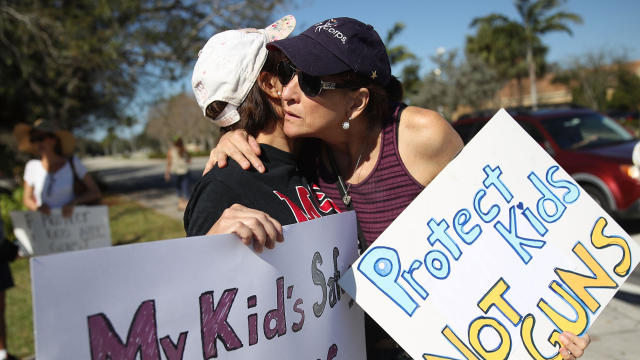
column 495, row 258
column 40, row 234
column 202, row 298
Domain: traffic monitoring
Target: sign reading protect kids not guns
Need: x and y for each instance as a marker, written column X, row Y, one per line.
column 495, row 258
column 206, row 297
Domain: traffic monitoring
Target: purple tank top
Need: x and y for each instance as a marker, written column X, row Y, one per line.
column 382, row 195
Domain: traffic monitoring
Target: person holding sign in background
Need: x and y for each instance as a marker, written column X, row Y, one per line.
column 178, row 160
column 58, row 179
column 338, row 88
column 235, row 84
column 7, row 254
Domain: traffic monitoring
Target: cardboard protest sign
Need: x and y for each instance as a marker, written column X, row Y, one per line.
column 202, row 298
column 495, row 258
column 40, row 234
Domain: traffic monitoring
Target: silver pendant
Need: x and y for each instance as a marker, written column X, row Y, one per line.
column 346, row 199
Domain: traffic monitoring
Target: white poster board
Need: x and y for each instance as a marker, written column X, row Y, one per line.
column 40, row 234
column 500, row 252
column 201, row 298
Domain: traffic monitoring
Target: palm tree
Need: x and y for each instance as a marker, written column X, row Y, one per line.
column 537, row 18
column 501, row 44
column 401, row 54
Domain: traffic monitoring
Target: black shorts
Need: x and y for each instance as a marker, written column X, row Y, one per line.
column 6, row 281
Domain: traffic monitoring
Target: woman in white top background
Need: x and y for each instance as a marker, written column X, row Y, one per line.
column 49, row 179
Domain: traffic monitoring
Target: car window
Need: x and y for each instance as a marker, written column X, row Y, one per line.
column 585, row 131
column 532, row 131
column 469, row 130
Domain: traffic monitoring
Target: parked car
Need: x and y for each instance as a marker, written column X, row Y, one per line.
column 590, row 146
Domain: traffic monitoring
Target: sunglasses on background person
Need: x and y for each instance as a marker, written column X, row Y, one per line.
column 38, row 137
column 310, row 85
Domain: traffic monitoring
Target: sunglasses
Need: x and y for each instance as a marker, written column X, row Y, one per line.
column 38, row 137
column 310, row 85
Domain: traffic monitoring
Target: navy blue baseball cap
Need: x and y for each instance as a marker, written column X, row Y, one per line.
column 337, row 45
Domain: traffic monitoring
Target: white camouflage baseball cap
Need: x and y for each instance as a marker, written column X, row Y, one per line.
column 229, row 64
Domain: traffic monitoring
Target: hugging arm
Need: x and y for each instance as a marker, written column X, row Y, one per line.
column 214, row 209
column 240, row 146
column 253, row 227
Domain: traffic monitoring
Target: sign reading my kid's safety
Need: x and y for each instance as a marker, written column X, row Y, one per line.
column 495, row 258
column 208, row 297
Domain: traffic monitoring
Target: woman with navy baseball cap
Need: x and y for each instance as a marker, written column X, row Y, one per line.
column 379, row 153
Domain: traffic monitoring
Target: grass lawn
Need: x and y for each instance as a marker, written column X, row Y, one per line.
column 130, row 223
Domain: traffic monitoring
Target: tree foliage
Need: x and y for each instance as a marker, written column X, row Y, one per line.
column 501, row 44
column 401, row 54
column 180, row 115
column 454, row 83
column 81, row 62
column 626, row 95
column 537, row 17
column 601, row 80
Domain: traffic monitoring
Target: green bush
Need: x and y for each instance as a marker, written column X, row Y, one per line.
column 8, row 203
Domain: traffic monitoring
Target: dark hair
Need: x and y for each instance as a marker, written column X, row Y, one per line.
column 256, row 111
column 381, row 98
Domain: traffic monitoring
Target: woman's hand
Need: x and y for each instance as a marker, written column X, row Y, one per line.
column 573, row 345
column 251, row 226
column 67, row 210
column 45, row 209
column 240, row 146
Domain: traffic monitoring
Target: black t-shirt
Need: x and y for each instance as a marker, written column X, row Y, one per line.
column 282, row 192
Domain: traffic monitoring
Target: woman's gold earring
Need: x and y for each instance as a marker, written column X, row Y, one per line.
column 279, row 93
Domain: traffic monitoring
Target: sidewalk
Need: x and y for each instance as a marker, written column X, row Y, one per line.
column 164, row 201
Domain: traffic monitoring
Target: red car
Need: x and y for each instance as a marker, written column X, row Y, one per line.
column 593, row 148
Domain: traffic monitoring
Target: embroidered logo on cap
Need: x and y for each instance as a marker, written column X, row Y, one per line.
column 329, row 27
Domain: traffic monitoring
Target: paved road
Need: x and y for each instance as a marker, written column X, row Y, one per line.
column 142, row 180
column 615, row 335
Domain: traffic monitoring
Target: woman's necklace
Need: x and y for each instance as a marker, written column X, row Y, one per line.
column 346, row 198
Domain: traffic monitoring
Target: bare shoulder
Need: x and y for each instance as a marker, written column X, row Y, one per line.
column 426, row 130
column 427, row 142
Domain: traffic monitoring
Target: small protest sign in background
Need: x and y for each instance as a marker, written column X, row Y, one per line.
column 40, row 234
column 202, row 298
column 497, row 256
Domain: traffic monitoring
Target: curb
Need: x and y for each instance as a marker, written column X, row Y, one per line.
column 630, row 288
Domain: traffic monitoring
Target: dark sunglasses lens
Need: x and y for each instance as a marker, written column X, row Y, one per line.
column 310, row 85
column 36, row 138
column 285, row 73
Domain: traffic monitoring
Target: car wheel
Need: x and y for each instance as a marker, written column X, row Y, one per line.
column 598, row 196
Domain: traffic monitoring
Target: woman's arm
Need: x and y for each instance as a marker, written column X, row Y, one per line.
column 427, row 143
column 92, row 194
column 29, row 199
column 240, row 146
column 253, row 227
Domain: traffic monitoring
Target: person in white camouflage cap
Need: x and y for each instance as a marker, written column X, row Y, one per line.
column 236, row 86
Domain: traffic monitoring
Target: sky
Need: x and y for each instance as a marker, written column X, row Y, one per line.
column 609, row 25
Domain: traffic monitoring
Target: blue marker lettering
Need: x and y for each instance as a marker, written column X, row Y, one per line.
column 381, row 265
column 439, row 234
column 547, row 196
